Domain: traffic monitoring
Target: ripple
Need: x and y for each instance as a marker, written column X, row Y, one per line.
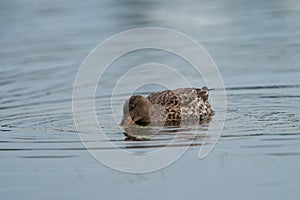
column 48, row 157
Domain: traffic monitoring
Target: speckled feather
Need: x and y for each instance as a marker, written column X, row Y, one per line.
column 183, row 103
column 177, row 105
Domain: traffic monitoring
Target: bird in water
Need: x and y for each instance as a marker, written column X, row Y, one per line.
column 168, row 107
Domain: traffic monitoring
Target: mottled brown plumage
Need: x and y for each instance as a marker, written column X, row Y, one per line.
column 168, row 106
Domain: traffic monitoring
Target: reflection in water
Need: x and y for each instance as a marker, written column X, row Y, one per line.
column 184, row 130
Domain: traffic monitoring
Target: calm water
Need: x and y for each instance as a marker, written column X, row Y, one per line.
column 256, row 46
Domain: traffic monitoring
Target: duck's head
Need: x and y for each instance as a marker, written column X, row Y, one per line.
column 136, row 111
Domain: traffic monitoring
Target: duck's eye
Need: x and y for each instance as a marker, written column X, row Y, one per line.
column 131, row 106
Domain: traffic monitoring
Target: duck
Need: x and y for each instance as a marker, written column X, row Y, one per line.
column 168, row 107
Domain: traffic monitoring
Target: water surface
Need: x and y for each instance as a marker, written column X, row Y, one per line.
column 256, row 47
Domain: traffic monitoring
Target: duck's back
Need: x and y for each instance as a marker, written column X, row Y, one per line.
column 183, row 103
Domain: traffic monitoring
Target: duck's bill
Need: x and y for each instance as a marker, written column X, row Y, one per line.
column 126, row 121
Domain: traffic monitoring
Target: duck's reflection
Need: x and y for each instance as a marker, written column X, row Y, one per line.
column 144, row 133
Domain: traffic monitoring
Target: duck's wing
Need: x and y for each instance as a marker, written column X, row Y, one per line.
column 169, row 101
column 183, row 103
column 186, row 96
column 203, row 93
column 160, row 98
column 194, row 102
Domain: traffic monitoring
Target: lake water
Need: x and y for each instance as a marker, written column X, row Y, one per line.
column 256, row 46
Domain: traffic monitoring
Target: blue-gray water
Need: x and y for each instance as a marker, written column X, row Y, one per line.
column 256, row 46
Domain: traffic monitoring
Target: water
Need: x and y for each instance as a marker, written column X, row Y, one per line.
column 256, row 46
